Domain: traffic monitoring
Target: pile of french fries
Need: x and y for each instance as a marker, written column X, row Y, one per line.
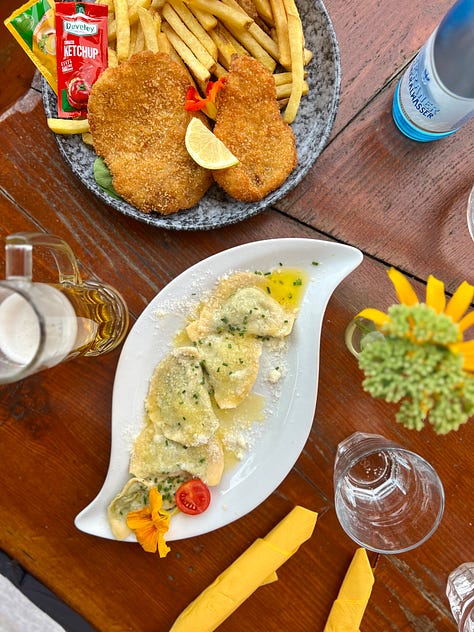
column 205, row 34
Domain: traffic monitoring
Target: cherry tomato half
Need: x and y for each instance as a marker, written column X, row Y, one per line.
column 193, row 497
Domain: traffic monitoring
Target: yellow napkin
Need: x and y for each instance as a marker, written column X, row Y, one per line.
column 247, row 573
column 348, row 609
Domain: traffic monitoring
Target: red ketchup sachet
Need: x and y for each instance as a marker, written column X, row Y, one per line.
column 81, row 53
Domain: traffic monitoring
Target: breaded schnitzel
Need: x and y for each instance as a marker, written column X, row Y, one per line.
column 250, row 124
column 138, row 123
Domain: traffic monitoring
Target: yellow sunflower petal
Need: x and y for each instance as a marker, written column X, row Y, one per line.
column 460, row 301
column 405, row 292
column 466, row 322
column 435, row 296
column 466, row 349
column 375, row 315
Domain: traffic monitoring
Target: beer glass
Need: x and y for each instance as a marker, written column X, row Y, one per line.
column 43, row 324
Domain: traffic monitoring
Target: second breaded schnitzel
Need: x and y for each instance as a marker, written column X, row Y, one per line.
column 138, row 124
column 249, row 123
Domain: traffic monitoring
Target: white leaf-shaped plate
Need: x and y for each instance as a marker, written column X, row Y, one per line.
column 290, row 416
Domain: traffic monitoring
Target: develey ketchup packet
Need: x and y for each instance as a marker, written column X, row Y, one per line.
column 81, row 53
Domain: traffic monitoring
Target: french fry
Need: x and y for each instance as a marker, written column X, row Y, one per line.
column 164, row 45
column 205, row 19
column 284, row 90
column 123, row 30
column 157, row 21
column 112, row 58
column 132, row 17
column 284, row 77
column 307, row 56
column 194, row 26
column 191, row 41
column 149, row 29
column 264, row 10
column 200, row 72
column 220, row 71
column 296, row 39
column 250, row 43
column 224, row 13
column 281, row 29
column 236, row 45
column 222, row 39
column 133, row 9
column 87, row 138
column 264, row 40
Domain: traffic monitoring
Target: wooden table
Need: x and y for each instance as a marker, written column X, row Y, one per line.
column 401, row 203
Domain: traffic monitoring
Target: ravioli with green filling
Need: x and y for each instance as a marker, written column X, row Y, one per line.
column 134, row 496
column 153, row 455
column 231, row 363
column 178, row 401
column 239, row 305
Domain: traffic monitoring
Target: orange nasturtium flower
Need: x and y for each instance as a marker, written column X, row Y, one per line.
column 150, row 524
column 455, row 309
column 195, row 102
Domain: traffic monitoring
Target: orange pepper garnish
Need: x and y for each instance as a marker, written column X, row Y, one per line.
column 195, row 102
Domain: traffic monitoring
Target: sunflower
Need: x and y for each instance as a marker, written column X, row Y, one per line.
column 444, row 321
column 421, row 360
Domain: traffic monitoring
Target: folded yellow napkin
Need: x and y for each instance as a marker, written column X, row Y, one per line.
column 256, row 565
column 348, row 609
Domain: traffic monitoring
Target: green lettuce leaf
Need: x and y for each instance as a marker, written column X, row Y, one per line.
column 103, row 177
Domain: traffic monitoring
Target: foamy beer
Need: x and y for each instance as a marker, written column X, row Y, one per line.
column 43, row 324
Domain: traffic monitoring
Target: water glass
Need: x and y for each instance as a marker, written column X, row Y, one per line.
column 460, row 592
column 387, row 499
column 470, row 213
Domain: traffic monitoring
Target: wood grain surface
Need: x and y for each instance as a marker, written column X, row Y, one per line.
column 400, row 202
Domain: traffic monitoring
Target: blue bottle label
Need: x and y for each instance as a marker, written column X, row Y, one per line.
column 426, row 102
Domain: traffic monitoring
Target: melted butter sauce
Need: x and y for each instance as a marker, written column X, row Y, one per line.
column 285, row 285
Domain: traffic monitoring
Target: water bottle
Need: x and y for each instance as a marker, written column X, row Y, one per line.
column 435, row 96
column 460, row 592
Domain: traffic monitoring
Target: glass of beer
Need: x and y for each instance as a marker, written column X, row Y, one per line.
column 43, row 324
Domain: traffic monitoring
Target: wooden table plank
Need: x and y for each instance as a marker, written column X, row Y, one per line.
column 377, row 40
column 395, row 198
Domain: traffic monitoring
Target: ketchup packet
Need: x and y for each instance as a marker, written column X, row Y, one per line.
column 81, row 54
column 32, row 25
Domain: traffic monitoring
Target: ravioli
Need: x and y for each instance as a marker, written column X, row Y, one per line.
column 231, row 363
column 239, row 305
column 153, row 455
column 134, row 496
column 178, row 402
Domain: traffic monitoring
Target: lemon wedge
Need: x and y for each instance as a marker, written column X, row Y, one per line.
column 205, row 148
column 68, row 126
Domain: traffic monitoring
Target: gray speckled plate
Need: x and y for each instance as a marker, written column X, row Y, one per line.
column 311, row 127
